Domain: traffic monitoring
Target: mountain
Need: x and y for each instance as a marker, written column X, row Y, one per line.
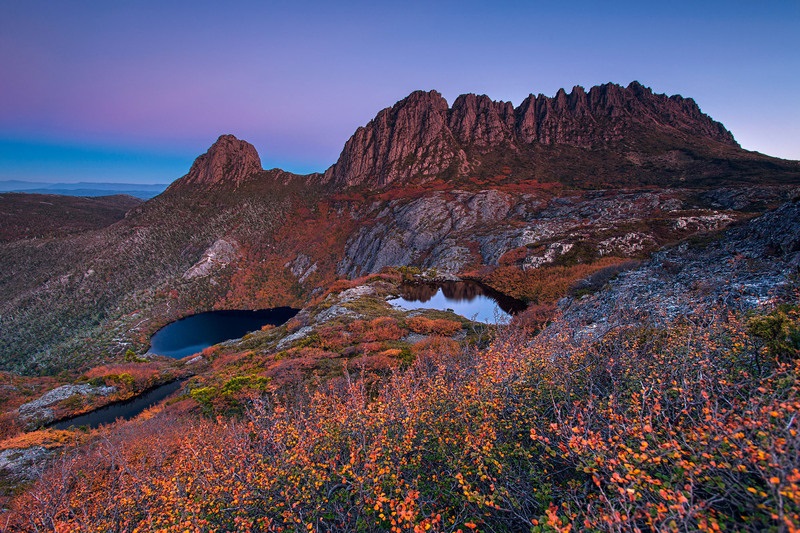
column 228, row 161
column 526, row 200
column 650, row 384
column 143, row 191
column 608, row 137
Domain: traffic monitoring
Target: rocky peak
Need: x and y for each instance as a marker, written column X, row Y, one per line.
column 609, row 113
column 420, row 138
column 480, row 121
column 229, row 161
column 409, row 139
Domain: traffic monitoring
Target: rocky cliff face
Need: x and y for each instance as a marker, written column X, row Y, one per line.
column 411, row 138
column 228, row 161
column 421, row 138
column 608, row 113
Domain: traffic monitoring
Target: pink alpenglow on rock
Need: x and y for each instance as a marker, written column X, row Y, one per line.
column 229, row 161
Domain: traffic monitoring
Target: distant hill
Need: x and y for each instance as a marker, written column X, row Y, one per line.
column 145, row 191
column 38, row 216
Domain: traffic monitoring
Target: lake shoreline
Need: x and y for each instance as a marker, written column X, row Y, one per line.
column 134, row 406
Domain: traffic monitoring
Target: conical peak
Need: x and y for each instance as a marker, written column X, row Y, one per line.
column 228, row 160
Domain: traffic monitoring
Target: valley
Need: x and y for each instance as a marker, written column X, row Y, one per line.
column 653, row 261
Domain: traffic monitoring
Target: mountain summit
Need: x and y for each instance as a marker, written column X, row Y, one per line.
column 421, row 137
column 229, row 161
column 609, row 137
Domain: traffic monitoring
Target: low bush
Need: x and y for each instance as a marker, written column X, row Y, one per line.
column 438, row 326
column 692, row 426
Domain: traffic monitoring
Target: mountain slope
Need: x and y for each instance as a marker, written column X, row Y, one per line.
column 83, row 297
column 554, row 189
column 608, row 421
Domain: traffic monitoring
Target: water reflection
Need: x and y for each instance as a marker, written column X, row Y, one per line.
column 466, row 298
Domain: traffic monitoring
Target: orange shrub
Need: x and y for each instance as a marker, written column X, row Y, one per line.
column 546, row 284
column 210, row 351
column 375, row 363
column 379, row 329
column 535, row 317
column 513, row 256
column 435, row 347
column 310, row 352
column 333, row 338
column 140, row 375
column 688, row 427
column 371, row 347
column 48, row 438
column 339, row 285
column 391, row 352
column 293, row 325
column 383, row 329
column 357, row 328
column 438, row 326
column 9, row 425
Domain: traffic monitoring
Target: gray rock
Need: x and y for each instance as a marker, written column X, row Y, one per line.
column 301, row 267
column 333, row 312
column 745, row 269
column 23, row 464
column 296, row 336
column 355, row 293
column 219, row 254
column 38, row 411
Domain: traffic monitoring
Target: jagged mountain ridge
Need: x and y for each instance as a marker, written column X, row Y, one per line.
column 420, row 136
column 608, row 137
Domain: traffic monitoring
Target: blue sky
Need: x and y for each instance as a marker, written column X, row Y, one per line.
column 133, row 92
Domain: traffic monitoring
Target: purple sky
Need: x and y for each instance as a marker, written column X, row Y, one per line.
column 134, row 91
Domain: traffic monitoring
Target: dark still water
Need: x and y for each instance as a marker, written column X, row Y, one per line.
column 194, row 333
column 125, row 410
column 466, row 298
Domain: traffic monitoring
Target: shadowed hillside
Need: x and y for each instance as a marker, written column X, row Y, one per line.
column 42, row 216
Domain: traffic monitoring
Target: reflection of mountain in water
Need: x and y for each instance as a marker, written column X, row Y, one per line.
column 459, row 291
column 452, row 290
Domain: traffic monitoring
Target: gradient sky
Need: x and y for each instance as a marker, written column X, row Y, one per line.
column 134, row 91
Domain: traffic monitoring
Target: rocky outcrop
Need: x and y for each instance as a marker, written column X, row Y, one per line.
column 478, row 121
column 218, row 255
column 410, row 139
column 455, row 231
column 23, row 464
column 608, row 113
column 420, row 138
column 228, row 161
column 301, row 267
column 429, row 232
column 746, row 268
column 40, row 411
